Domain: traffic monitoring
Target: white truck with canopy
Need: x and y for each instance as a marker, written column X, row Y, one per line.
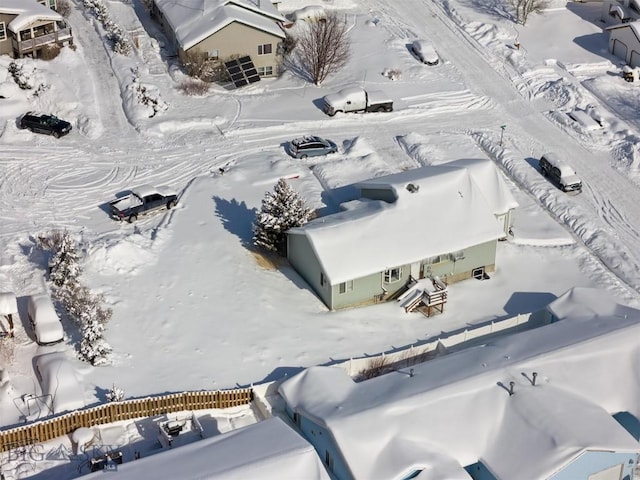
column 356, row 99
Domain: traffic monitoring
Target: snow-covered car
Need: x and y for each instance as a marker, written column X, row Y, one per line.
column 311, row 146
column 584, row 121
column 60, row 382
column 425, row 52
column 143, row 200
column 44, row 320
column 560, row 173
column 45, row 123
column 310, row 13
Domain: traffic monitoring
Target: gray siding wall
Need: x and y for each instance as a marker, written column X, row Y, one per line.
column 304, row 260
column 593, row 462
column 367, row 289
column 482, row 255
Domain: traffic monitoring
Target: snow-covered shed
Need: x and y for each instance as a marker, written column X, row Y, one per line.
column 624, row 42
column 269, row 449
column 27, row 26
column 219, row 29
column 430, row 221
column 538, row 404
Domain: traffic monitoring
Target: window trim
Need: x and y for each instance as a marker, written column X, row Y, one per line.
column 262, row 71
column 265, row 46
column 3, row 36
column 390, row 277
column 345, row 287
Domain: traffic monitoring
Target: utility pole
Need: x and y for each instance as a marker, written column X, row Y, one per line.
column 502, row 127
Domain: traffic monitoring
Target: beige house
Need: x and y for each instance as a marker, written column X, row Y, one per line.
column 27, row 26
column 221, row 29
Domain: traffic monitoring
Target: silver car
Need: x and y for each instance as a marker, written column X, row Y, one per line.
column 311, row 146
column 425, row 52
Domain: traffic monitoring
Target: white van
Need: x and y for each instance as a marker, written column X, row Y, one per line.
column 44, row 320
column 562, row 174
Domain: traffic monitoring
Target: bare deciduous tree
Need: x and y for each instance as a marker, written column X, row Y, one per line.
column 525, row 7
column 323, row 47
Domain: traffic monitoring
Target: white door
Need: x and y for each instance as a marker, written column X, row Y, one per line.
column 634, row 61
column 620, row 49
column 415, row 270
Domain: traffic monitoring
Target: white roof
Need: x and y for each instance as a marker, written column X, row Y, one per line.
column 194, row 20
column 495, row 190
column 459, row 404
column 8, row 303
column 447, row 213
column 28, row 11
column 266, row 450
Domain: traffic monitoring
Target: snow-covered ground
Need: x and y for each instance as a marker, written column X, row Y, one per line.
column 192, row 307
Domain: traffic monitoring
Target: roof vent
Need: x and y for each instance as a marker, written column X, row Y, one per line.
column 413, row 188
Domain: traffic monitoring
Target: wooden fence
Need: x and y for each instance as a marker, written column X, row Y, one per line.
column 50, row 428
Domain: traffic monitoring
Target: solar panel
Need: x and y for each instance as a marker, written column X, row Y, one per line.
column 242, row 71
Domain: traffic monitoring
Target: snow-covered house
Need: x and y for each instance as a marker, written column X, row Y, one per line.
column 221, row 29
column 427, row 222
column 620, row 10
column 541, row 404
column 269, row 449
column 624, row 42
column 28, row 26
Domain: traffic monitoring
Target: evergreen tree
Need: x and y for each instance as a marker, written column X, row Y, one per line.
column 281, row 210
column 94, row 347
column 115, row 394
column 64, row 266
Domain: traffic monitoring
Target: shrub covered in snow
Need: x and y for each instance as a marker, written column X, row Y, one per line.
column 120, row 43
column 281, row 210
column 146, row 95
column 83, row 306
column 22, row 79
column 194, row 87
column 392, row 73
column 115, row 394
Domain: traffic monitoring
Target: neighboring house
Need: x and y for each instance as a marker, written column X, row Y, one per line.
column 221, row 29
column 27, row 26
column 541, row 404
column 624, row 42
column 422, row 223
column 268, row 450
column 620, row 10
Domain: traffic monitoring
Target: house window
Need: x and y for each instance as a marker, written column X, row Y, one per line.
column 392, row 275
column 25, row 35
column 213, row 54
column 328, row 460
column 52, row 4
column 296, row 418
column 265, row 71
column 3, row 31
column 265, row 49
column 346, row 286
column 322, row 279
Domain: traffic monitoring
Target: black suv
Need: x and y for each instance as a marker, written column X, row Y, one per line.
column 43, row 123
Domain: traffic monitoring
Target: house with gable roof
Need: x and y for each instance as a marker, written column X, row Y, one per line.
column 28, row 26
column 220, row 29
column 548, row 403
column 624, row 42
column 422, row 223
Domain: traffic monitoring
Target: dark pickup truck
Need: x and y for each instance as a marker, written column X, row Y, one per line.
column 142, row 200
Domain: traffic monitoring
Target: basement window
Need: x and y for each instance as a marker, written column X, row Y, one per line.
column 346, row 286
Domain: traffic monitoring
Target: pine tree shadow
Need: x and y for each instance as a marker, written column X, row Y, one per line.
column 237, row 218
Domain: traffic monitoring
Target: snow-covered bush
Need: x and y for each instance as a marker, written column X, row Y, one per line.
column 115, row 394
column 64, row 8
column 119, row 41
column 147, row 96
column 82, row 306
column 194, row 87
column 281, row 210
column 22, row 79
column 392, row 73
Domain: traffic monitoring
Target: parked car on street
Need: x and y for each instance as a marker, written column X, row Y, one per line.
column 425, row 52
column 143, row 200
column 60, row 382
column 45, row 123
column 560, row 173
column 311, row 146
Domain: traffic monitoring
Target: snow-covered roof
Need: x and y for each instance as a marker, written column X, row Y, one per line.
column 445, row 212
column 27, row 11
column 491, row 183
column 459, row 403
column 267, row 450
column 194, row 20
